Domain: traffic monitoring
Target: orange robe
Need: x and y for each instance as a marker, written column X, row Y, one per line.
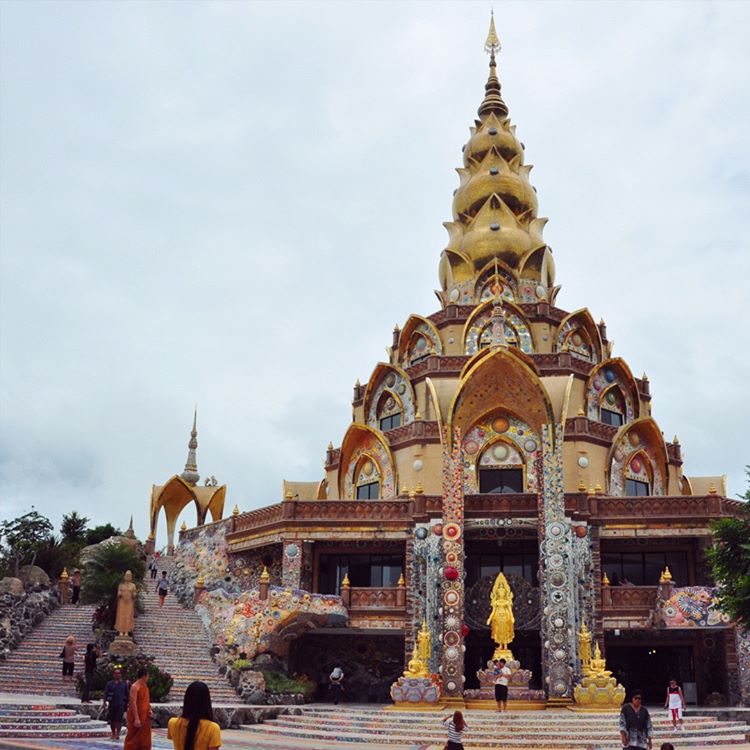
column 139, row 738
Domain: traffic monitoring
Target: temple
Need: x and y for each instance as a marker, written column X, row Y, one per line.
column 502, row 434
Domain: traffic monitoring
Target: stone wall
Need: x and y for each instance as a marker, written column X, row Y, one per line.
column 22, row 608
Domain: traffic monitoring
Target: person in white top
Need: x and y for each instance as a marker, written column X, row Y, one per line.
column 502, row 677
column 456, row 728
column 675, row 702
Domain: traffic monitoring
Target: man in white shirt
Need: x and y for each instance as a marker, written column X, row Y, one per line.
column 502, row 677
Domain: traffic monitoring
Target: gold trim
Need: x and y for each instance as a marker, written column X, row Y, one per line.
column 436, row 403
column 346, row 451
column 626, row 371
column 406, row 334
column 480, row 308
column 374, row 382
column 584, row 313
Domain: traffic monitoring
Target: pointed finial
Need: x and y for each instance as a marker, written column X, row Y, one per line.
column 346, row 582
column 330, row 445
column 236, row 510
column 401, row 581
column 404, row 490
column 666, row 575
column 712, row 490
column 605, row 580
column 183, row 527
column 265, row 575
column 190, row 475
column 582, row 486
column 492, row 44
column 130, row 533
column 64, row 575
column 676, row 440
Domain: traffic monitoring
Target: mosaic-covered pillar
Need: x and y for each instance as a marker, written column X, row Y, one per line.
column 291, row 564
column 423, row 572
column 452, row 579
column 743, row 661
column 584, row 580
column 557, row 581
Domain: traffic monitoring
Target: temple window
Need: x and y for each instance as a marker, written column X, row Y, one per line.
column 419, row 350
column 612, row 409
column 488, row 565
column 389, row 412
column 644, row 568
column 612, row 417
column 511, row 337
column 369, row 491
column 500, row 481
column 364, row 571
column 637, row 488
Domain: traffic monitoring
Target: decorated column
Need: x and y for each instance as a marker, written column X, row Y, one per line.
column 291, row 564
column 452, row 663
column 557, row 580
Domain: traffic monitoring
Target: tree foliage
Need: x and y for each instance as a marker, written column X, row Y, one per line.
column 103, row 573
column 102, row 532
column 23, row 536
column 729, row 558
column 73, row 528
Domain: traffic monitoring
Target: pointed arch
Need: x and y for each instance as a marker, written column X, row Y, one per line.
column 361, row 439
column 516, row 326
column 642, row 436
column 611, row 373
column 389, row 379
column 579, row 335
column 500, row 380
column 537, row 267
column 415, row 327
column 484, row 288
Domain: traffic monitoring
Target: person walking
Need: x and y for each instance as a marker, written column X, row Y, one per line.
column 636, row 728
column 162, row 588
column 68, row 655
column 75, row 582
column 502, row 677
column 89, row 668
column 336, row 684
column 456, row 728
column 195, row 729
column 153, row 569
column 675, row 702
column 116, row 701
column 139, row 714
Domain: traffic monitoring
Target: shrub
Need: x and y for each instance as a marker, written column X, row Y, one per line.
column 159, row 681
column 242, row 664
column 278, row 682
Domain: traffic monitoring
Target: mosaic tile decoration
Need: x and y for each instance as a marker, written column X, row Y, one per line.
column 396, row 384
column 517, row 332
column 370, row 446
column 635, row 458
column 573, row 337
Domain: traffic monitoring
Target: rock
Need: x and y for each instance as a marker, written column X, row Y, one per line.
column 13, row 586
column 251, row 686
column 33, row 575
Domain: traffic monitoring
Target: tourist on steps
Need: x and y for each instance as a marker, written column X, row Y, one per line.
column 675, row 702
column 75, row 582
column 502, row 677
column 162, row 588
column 636, row 729
column 89, row 667
column 456, row 728
column 196, row 728
column 68, row 655
column 139, row 714
column 153, row 569
column 336, row 684
column 116, row 701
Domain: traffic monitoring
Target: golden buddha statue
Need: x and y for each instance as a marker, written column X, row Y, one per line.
column 584, row 648
column 501, row 620
column 598, row 691
column 424, row 645
column 416, row 667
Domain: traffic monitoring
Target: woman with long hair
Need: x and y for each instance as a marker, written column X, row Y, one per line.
column 196, row 728
column 456, row 727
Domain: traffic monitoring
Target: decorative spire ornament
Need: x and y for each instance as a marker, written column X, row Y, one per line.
column 190, row 475
column 493, row 101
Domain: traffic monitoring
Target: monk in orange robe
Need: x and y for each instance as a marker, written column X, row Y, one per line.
column 139, row 714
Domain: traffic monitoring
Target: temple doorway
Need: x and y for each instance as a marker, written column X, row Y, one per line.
column 372, row 662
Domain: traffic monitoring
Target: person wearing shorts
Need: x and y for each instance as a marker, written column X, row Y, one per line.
column 162, row 588
column 675, row 703
column 502, row 676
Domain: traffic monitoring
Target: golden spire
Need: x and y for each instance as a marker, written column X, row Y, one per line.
column 492, row 44
column 666, row 575
column 493, row 102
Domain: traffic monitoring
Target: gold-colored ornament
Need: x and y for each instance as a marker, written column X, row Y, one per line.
column 501, row 619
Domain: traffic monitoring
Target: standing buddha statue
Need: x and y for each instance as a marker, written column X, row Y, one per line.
column 501, row 619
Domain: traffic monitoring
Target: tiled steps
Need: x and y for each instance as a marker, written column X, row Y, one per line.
column 20, row 721
column 175, row 636
column 34, row 667
column 549, row 730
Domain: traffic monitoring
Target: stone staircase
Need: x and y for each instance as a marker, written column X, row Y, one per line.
column 319, row 727
column 175, row 636
column 23, row 721
column 34, row 667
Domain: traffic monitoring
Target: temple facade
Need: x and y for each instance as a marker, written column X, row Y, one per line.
column 502, row 434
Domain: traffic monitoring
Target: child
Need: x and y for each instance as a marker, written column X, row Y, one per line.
column 675, row 702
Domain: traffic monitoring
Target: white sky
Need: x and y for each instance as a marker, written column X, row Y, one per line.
column 233, row 203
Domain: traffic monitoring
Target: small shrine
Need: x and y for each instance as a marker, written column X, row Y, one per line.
column 598, row 690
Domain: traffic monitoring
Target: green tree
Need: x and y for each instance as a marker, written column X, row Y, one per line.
column 73, row 528
column 23, row 536
column 102, row 575
column 729, row 558
column 100, row 533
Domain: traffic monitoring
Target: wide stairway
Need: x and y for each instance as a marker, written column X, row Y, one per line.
column 175, row 636
column 320, row 727
column 34, row 667
column 25, row 721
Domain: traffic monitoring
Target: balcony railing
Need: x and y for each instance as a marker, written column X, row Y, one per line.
column 630, row 598
column 371, row 600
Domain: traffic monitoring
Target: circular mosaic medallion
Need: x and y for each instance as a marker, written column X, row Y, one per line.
column 558, row 638
column 500, row 425
column 555, row 561
column 636, row 465
column 559, row 654
column 635, row 439
column 450, row 685
column 401, row 389
column 471, row 447
column 452, row 638
column 580, row 531
column 453, row 296
column 530, row 446
column 437, row 529
column 557, row 597
column 560, row 688
column 452, row 531
column 577, row 340
column 583, row 462
column 555, row 529
column 558, row 578
column 609, row 375
column 500, row 452
column 417, row 465
column 292, row 550
column 451, row 622
column 451, row 653
column 421, row 533
column 390, row 378
column 597, row 383
column 611, row 398
column 558, row 622
column 451, row 557
column 368, row 468
column 451, row 597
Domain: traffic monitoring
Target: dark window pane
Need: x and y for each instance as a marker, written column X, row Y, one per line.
column 636, row 488
column 500, row 481
column 653, row 565
column 391, row 422
column 368, row 491
column 612, row 417
column 632, row 567
column 678, row 567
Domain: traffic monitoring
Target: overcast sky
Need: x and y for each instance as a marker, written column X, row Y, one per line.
column 233, row 203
